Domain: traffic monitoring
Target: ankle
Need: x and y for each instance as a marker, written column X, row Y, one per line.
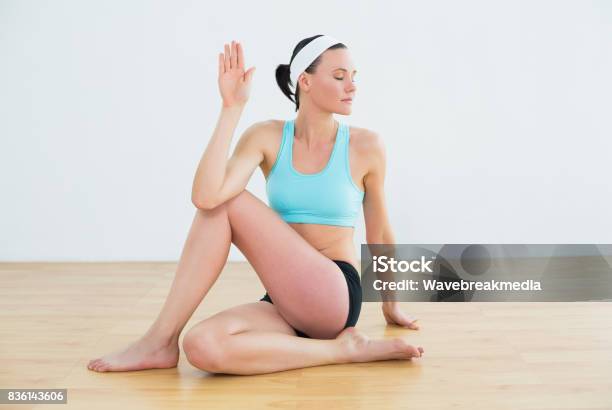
column 161, row 337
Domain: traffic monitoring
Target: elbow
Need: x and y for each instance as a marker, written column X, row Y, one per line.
column 205, row 203
column 377, row 236
column 382, row 236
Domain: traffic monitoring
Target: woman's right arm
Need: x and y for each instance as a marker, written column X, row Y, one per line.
column 217, row 179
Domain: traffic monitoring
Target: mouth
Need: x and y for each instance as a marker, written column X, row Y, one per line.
column 348, row 100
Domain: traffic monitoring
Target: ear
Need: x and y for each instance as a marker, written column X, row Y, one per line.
column 304, row 81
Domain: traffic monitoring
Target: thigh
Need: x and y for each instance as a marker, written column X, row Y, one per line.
column 308, row 289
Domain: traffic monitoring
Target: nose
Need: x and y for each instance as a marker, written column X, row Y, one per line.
column 352, row 87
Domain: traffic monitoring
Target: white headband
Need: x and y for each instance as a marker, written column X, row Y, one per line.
column 308, row 54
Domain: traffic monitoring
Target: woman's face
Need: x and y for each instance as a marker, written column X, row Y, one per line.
column 332, row 82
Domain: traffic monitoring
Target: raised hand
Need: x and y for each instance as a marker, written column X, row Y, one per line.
column 234, row 82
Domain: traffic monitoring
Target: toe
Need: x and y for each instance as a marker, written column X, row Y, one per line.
column 105, row 366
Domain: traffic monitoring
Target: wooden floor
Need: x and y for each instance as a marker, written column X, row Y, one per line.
column 55, row 317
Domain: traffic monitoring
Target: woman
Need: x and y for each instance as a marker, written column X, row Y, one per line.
column 301, row 247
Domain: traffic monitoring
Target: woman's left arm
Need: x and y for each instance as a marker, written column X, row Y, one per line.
column 378, row 228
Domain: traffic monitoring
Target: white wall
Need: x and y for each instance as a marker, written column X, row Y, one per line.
column 493, row 115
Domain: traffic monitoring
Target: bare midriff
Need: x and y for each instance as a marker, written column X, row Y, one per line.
column 335, row 242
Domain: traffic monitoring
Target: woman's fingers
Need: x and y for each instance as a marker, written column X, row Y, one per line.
column 227, row 57
column 221, row 64
column 234, row 56
column 240, row 55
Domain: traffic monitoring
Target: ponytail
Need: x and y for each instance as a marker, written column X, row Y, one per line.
column 283, row 81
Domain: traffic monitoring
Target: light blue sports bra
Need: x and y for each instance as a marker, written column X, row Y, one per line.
column 328, row 197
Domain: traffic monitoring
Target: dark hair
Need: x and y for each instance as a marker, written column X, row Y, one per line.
column 282, row 71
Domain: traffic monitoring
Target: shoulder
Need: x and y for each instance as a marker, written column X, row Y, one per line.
column 265, row 130
column 265, row 138
column 259, row 130
column 367, row 143
column 260, row 134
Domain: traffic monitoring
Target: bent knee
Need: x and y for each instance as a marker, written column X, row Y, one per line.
column 205, row 350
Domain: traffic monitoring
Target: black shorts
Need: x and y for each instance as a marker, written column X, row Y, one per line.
column 355, row 295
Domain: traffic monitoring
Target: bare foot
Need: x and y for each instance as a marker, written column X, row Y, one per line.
column 145, row 353
column 357, row 347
